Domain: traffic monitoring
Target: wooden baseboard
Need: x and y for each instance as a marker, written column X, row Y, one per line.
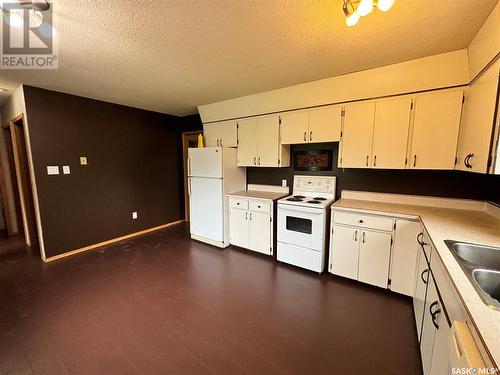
column 113, row 240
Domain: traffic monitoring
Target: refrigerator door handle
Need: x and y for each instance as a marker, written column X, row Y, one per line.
column 189, row 186
column 189, row 166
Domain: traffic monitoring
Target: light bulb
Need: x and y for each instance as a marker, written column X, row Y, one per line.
column 365, row 7
column 385, row 5
column 352, row 19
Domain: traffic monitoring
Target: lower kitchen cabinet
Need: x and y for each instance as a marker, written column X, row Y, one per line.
column 375, row 249
column 431, row 309
column 250, row 224
column 374, row 257
column 420, row 292
column 405, row 256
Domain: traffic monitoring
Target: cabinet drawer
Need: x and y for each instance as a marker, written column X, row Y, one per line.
column 363, row 220
column 238, row 203
column 259, row 206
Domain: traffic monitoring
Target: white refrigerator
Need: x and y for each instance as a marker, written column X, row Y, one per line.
column 212, row 173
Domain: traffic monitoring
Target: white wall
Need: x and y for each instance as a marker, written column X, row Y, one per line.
column 432, row 72
column 486, row 44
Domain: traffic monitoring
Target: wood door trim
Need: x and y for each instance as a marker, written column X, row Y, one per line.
column 3, row 192
column 184, row 136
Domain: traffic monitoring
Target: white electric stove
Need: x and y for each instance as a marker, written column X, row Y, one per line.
column 302, row 222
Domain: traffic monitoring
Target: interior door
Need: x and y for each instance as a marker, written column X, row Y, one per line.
column 390, row 133
column 477, row 122
column 357, row 135
column 325, row 124
column 205, row 162
column 248, row 139
column 269, row 140
column 344, row 251
column 374, row 257
column 206, row 208
column 294, row 127
column 260, row 232
column 238, row 227
column 435, row 130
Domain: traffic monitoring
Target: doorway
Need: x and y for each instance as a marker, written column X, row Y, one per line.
column 21, row 179
column 189, row 139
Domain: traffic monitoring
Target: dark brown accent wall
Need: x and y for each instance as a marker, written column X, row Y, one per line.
column 453, row 184
column 134, row 164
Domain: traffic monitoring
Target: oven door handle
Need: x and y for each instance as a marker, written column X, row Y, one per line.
column 289, row 208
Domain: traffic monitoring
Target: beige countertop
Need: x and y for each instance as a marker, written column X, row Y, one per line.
column 473, row 224
column 257, row 194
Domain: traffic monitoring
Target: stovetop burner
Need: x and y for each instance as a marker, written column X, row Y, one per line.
column 293, row 199
column 314, row 202
column 299, row 196
column 319, row 199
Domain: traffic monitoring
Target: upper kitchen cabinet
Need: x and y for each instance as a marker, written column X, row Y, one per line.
column 221, row 134
column 435, row 130
column 390, row 134
column 259, row 143
column 294, row 127
column 357, row 135
column 247, row 142
column 321, row 124
column 477, row 122
column 325, row 124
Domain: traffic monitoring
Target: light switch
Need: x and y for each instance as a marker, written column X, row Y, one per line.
column 134, row 215
column 283, row 183
column 66, row 169
column 52, row 169
column 83, row 160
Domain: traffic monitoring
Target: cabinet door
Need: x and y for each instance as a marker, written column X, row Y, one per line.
column 428, row 328
column 421, row 281
column 435, row 130
column 294, row 127
column 357, row 135
column 238, row 227
column 390, row 133
column 405, row 256
column 344, row 248
column 325, row 124
column 269, row 141
column 247, row 145
column 477, row 122
column 260, row 232
column 374, row 256
column 440, row 363
column 221, row 134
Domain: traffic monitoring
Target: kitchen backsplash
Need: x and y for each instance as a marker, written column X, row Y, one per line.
column 452, row 184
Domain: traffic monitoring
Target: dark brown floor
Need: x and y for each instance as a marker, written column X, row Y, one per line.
column 161, row 304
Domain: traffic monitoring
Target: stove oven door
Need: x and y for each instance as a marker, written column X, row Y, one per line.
column 301, row 226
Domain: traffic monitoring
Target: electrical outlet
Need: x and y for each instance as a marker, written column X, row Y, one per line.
column 283, row 183
column 66, row 169
column 134, row 215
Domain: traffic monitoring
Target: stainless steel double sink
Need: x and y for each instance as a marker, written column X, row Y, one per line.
column 481, row 265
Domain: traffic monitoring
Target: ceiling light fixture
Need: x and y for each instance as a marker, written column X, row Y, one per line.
column 353, row 9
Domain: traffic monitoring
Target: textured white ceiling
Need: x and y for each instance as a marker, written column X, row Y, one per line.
column 170, row 56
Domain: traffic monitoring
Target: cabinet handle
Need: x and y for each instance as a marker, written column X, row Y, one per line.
column 221, row 142
column 305, row 135
column 367, row 157
column 258, row 161
column 310, row 136
column 255, row 160
column 467, row 160
column 375, row 161
column 355, row 235
column 246, row 215
column 363, row 237
column 360, row 221
column 434, row 313
column 414, row 160
column 426, row 271
column 250, row 216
